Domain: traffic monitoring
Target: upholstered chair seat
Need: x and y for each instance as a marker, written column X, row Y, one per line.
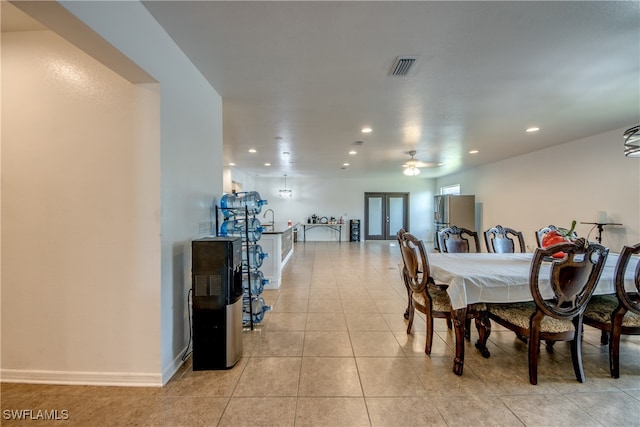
column 618, row 314
column 601, row 306
column 519, row 314
column 440, row 301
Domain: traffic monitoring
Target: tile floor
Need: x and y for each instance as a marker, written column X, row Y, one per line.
column 334, row 352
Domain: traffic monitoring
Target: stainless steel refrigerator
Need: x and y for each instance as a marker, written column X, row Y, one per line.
column 449, row 210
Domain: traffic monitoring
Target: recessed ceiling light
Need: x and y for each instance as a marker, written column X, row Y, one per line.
column 367, row 130
column 533, row 129
column 232, row 164
column 253, row 150
column 267, row 164
column 345, row 164
column 473, row 152
column 353, row 152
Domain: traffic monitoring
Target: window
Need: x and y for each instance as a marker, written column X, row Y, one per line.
column 451, row 189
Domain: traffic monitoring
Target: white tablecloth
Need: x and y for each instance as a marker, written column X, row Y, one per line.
column 495, row 278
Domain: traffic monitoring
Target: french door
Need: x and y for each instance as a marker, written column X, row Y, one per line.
column 385, row 214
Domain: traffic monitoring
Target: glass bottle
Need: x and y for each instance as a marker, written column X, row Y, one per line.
column 256, row 257
column 234, row 204
column 255, row 280
column 258, row 309
column 249, row 229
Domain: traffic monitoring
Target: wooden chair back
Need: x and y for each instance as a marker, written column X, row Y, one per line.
column 630, row 300
column 501, row 239
column 566, row 290
column 416, row 265
column 456, row 240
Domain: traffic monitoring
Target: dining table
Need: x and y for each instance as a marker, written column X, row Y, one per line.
column 473, row 279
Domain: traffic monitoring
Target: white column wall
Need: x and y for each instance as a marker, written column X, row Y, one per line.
column 571, row 181
column 191, row 153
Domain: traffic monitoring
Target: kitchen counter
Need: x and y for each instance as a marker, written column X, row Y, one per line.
column 277, row 242
column 277, row 228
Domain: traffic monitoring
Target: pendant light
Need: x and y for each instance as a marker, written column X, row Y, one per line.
column 284, row 193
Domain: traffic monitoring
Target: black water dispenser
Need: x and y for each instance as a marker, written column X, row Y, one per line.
column 217, row 302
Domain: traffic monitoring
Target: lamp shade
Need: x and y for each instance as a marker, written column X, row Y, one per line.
column 632, row 142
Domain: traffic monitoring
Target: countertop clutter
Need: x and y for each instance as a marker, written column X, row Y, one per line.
column 317, row 219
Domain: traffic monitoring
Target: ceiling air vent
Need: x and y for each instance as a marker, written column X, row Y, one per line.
column 402, row 65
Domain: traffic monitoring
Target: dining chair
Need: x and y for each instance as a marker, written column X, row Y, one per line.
column 428, row 298
column 620, row 313
column 560, row 297
column 399, row 235
column 501, row 239
column 456, row 240
column 544, row 230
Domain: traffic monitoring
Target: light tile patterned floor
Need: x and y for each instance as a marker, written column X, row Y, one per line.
column 334, row 352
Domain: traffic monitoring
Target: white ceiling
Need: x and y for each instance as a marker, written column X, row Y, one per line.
column 315, row 73
column 304, row 77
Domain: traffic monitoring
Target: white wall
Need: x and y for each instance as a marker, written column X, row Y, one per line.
column 80, row 218
column 232, row 174
column 345, row 197
column 575, row 180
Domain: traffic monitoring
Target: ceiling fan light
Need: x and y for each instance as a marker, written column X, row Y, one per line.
column 411, row 171
column 410, row 166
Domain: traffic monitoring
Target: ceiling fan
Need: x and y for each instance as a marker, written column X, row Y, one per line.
column 413, row 165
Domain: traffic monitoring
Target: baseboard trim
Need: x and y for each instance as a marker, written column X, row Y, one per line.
column 125, row 379
column 169, row 371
